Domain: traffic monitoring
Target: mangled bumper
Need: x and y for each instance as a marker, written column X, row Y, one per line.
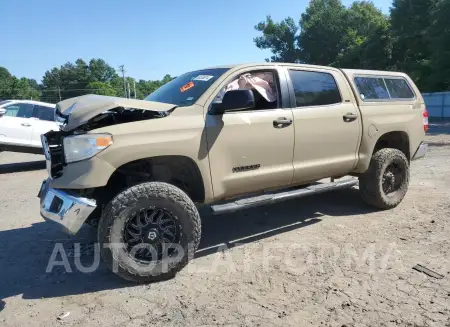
column 67, row 210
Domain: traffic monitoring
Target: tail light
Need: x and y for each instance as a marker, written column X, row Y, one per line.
column 425, row 120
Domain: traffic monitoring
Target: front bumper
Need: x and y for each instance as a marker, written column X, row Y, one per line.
column 67, row 210
column 421, row 151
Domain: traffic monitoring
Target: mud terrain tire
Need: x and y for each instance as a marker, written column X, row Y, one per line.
column 387, row 166
column 116, row 216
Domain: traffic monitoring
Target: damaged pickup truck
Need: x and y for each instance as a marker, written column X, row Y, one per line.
column 230, row 137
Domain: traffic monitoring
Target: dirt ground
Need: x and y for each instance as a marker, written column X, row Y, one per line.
column 326, row 260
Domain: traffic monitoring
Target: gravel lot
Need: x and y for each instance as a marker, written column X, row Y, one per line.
column 326, row 260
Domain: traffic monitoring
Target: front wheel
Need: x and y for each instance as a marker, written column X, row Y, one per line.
column 385, row 183
column 149, row 232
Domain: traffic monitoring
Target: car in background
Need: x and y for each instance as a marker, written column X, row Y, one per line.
column 22, row 122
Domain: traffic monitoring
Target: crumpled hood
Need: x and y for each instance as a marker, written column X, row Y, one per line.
column 76, row 111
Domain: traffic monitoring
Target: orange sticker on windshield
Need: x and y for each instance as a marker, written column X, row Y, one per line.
column 187, row 86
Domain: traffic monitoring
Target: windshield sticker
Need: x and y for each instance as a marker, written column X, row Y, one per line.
column 203, row 78
column 190, row 99
column 187, row 86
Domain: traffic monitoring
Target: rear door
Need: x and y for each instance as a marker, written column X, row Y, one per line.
column 327, row 123
column 43, row 122
column 16, row 124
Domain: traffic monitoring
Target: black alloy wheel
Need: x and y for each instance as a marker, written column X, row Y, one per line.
column 392, row 178
column 149, row 231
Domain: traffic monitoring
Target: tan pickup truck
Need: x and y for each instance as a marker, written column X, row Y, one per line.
column 231, row 137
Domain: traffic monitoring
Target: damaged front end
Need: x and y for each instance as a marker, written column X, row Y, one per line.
column 89, row 112
column 76, row 117
column 63, row 207
column 117, row 116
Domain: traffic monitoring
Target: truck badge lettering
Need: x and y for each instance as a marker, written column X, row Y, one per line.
column 245, row 168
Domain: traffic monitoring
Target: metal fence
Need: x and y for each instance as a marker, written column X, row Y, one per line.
column 438, row 104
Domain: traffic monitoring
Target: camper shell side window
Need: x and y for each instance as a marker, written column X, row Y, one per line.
column 383, row 88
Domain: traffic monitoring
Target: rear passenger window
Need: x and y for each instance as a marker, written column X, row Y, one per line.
column 314, row 88
column 398, row 88
column 371, row 88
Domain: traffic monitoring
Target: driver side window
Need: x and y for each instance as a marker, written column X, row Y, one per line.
column 263, row 84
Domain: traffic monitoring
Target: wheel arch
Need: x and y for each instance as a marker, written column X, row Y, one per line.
column 180, row 171
column 396, row 139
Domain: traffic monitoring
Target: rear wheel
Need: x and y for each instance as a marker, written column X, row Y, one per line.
column 385, row 183
column 149, row 232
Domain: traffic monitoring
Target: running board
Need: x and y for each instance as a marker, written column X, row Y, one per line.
column 281, row 196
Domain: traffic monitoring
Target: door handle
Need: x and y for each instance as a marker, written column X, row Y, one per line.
column 26, row 124
column 349, row 117
column 282, row 122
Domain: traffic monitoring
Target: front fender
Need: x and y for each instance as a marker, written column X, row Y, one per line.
column 175, row 135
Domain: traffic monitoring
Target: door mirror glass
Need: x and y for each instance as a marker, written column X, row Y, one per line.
column 234, row 100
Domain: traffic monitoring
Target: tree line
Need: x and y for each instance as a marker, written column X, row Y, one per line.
column 75, row 79
column 414, row 38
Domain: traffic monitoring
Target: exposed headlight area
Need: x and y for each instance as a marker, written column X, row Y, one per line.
column 85, row 146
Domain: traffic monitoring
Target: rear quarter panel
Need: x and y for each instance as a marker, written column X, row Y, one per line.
column 383, row 116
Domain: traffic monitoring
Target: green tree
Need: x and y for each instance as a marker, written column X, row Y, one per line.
column 117, row 85
column 331, row 34
column 101, row 88
column 415, row 38
column 410, row 20
column 366, row 42
column 166, row 79
column 72, row 79
column 75, row 79
column 282, row 39
column 26, row 91
column 12, row 87
column 439, row 40
column 144, row 88
column 100, row 71
column 322, row 29
column 4, row 74
column 33, row 83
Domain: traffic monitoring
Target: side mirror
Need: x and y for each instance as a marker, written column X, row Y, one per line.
column 2, row 111
column 234, row 100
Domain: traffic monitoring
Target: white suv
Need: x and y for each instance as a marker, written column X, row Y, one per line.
column 22, row 122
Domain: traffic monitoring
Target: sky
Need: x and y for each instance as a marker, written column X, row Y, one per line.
column 150, row 38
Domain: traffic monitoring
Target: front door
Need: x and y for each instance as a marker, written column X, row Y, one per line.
column 327, row 124
column 16, row 125
column 252, row 150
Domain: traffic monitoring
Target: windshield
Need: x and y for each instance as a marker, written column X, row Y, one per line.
column 187, row 88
